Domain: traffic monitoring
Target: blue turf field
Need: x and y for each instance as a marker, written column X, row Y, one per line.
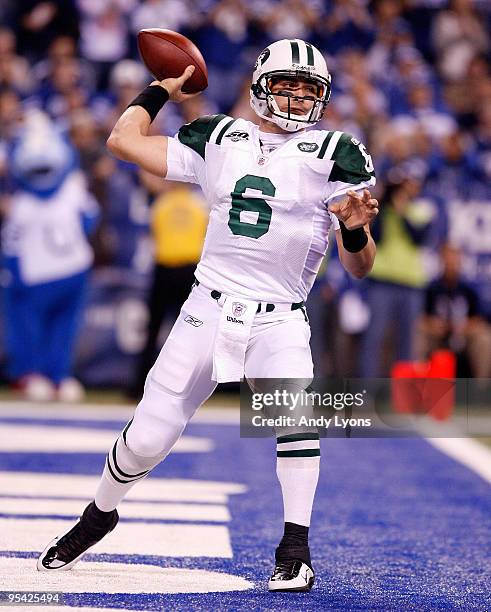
column 397, row 525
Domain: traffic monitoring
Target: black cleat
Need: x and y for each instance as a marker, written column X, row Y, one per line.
column 293, row 575
column 64, row 551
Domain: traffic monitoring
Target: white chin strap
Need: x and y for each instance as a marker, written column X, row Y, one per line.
column 286, row 124
column 281, row 119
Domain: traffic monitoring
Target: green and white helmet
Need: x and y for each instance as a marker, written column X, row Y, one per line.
column 289, row 59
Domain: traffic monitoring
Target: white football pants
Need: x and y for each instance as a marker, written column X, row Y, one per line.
column 181, row 378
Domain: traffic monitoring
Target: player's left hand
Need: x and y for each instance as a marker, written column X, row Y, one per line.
column 356, row 210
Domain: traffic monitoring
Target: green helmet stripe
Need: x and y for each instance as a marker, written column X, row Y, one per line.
column 295, row 52
column 310, row 54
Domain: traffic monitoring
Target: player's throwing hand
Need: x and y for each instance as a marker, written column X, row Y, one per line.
column 174, row 86
column 356, row 210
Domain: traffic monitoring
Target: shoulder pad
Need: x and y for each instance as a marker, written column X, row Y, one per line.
column 352, row 162
column 196, row 134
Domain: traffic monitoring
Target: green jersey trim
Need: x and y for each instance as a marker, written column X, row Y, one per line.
column 329, row 144
column 323, row 148
column 196, row 134
column 223, row 130
column 352, row 163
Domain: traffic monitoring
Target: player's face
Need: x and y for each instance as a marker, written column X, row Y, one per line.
column 302, row 94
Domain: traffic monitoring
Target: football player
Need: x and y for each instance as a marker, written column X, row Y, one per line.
column 274, row 190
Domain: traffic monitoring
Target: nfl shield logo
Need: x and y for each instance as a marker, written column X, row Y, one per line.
column 238, row 309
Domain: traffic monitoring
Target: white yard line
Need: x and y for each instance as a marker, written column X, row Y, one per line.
column 470, row 453
column 163, row 511
column 163, row 540
column 109, row 577
column 152, row 488
column 29, row 438
column 104, row 412
column 66, row 412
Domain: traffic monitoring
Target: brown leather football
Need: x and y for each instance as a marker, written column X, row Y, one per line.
column 166, row 54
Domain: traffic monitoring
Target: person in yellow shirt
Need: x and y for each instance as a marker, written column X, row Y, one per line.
column 178, row 222
column 395, row 285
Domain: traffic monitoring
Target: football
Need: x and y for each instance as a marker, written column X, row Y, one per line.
column 166, row 54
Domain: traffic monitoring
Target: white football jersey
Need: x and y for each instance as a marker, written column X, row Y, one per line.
column 269, row 222
column 46, row 235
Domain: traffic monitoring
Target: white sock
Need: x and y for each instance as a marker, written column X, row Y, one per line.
column 297, row 467
column 122, row 470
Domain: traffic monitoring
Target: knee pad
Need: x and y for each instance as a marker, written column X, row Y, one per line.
column 150, row 443
column 159, row 421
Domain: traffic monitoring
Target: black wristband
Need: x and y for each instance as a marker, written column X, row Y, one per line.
column 353, row 240
column 152, row 98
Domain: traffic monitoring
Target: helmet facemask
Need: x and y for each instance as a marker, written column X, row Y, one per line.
column 288, row 119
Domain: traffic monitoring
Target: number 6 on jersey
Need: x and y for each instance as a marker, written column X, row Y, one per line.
column 241, row 204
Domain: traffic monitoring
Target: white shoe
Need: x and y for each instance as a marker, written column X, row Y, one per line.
column 70, row 390
column 294, row 575
column 37, row 388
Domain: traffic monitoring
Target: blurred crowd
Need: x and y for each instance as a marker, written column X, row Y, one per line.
column 411, row 79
